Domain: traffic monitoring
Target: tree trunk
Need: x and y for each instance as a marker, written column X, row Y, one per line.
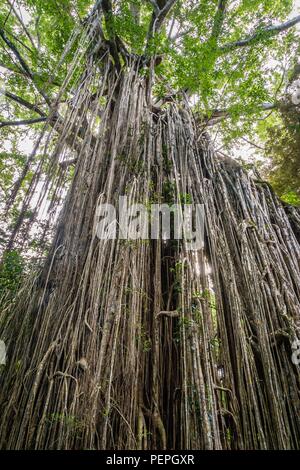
column 94, row 359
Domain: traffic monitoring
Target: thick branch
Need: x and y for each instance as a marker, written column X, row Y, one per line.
column 219, row 19
column 24, row 103
column 24, row 122
column 109, row 23
column 156, row 8
column 218, row 115
column 13, row 48
column 159, row 15
column 261, row 34
column 163, row 14
column 23, row 64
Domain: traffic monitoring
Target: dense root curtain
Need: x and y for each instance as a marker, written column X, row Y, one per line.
column 121, row 344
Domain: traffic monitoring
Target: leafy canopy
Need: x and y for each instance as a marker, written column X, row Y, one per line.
column 231, row 56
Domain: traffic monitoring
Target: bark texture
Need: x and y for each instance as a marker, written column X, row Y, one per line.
column 147, row 345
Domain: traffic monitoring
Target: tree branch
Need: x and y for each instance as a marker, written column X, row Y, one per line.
column 17, row 70
column 158, row 17
column 24, row 122
column 109, row 23
column 12, row 69
column 22, row 23
column 156, row 8
column 24, row 103
column 13, row 48
column 261, row 34
column 56, row 122
column 19, row 41
column 217, row 23
column 218, row 115
column 23, row 64
column 219, row 19
column 163, row 13
column 252, row 143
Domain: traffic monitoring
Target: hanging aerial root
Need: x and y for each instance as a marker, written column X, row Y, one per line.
column 123, row 344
